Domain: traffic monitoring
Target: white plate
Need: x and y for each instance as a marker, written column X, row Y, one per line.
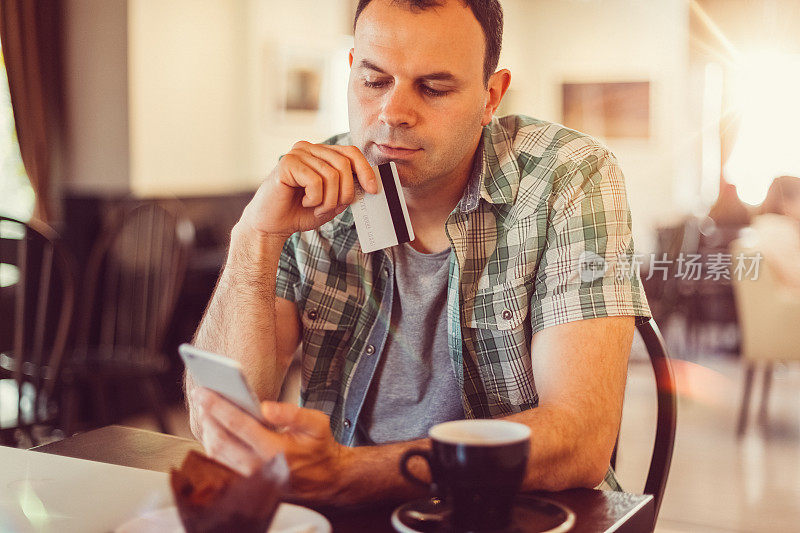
column 289, row 519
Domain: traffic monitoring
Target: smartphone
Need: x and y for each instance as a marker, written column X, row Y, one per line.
column 222, row 375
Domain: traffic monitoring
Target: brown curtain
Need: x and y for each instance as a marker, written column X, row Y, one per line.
column 30, row 38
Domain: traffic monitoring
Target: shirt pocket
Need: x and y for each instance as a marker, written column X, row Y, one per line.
column 497, row 337
column 503, row 307
column 328, row 308
column 328, row 316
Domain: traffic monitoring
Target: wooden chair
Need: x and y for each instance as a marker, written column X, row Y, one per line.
column 37, row 308
column 133, row 279
column 666, row 418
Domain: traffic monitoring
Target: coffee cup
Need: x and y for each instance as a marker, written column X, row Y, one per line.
column 477, row 467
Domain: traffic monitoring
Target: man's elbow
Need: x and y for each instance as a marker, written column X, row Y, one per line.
column 583, row 469
column 597, row 459
column 594, row 472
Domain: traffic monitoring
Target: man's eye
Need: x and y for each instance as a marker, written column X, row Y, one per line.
column 430, row 91
column 374, row 84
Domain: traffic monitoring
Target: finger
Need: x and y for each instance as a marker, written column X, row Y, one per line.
column 341, row 167
column 247, row 429
column 330, row 191
column 360, row 165
column 300, row 175
column 342, row 164
column 297, row 419
column 347, row 190
column 224, row 447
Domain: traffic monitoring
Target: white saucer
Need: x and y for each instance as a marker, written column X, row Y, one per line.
column 290, row 518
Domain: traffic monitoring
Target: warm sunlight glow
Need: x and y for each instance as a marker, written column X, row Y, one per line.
column 767, row 86
column 32, row 507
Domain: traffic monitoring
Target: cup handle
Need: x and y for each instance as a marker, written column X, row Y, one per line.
column 418, row 452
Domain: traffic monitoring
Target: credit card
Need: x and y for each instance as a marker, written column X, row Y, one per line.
column 382, row 219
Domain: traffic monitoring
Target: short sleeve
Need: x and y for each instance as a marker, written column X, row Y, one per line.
column 288, row 273
column 588, row 268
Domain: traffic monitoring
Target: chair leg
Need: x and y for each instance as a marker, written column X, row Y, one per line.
column 153, row 394
column 69, row 410
column 765, row 390
column 748, row 389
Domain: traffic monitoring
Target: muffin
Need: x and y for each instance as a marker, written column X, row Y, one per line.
column 212, row 498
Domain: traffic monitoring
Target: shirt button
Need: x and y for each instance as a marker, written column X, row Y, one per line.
column 370, row 349
column 507, row 315
column 386, row 271
column 347, row 422
column 312, row 315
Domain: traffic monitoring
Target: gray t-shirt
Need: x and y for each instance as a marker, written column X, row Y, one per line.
column 414, row 386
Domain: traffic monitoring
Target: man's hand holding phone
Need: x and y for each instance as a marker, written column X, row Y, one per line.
column 311, row 185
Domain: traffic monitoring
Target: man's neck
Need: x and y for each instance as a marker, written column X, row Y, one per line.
column 429, row 207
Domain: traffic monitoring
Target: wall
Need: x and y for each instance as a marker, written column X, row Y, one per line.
column 548, row 42
column 274, row 30
column 180, row 97
column 186, row 95
column 96, row 97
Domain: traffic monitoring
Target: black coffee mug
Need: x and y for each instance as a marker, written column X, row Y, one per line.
column 477, row 467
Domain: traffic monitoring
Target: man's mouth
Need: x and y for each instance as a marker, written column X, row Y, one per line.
column 396, row 151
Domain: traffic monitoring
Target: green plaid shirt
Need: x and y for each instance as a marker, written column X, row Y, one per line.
column 541, row 236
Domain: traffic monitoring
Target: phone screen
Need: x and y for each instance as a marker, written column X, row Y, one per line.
column 222, row 375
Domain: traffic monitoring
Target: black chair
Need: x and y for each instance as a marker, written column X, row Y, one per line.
column 667, row 408
column 133, row 279
column 37, row 309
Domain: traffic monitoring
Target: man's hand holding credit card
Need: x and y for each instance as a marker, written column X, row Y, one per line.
column 314, row 183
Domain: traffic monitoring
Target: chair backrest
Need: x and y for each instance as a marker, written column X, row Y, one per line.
column 667, row 412
column 764, row 307
column 133, row 278
column 41, row 292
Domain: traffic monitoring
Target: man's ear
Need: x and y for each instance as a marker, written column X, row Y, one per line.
column 495, row 89
column 350, row 57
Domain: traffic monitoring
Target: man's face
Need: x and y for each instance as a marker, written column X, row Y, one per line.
column 416, row 94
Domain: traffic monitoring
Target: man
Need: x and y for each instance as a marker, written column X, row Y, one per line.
column 489, row 296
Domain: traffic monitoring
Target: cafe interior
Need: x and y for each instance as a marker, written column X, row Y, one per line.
column 134, row 132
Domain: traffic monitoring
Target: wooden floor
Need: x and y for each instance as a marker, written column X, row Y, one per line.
column 718, row 482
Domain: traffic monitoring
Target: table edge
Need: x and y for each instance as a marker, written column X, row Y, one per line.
column 647, row 500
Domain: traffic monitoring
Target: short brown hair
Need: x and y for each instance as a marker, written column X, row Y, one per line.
column 488, row 13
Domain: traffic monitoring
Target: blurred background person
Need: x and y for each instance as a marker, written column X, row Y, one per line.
column 777, row 230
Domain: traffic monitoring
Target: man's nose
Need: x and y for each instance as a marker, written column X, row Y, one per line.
column 398, row 109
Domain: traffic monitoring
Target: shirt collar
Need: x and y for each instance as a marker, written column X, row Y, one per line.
column 500, row 171
column 472, row 192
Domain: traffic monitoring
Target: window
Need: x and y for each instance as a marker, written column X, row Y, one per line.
column 16, row 193
column 766, row 144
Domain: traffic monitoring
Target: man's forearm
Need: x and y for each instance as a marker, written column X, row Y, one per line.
column 563, row 455
column 239, row 321
column 372, row 473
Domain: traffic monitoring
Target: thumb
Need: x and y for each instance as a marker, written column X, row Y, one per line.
column 291, row 417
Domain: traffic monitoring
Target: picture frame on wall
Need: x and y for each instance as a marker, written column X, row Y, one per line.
column 611, row 110
column 305, row 86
